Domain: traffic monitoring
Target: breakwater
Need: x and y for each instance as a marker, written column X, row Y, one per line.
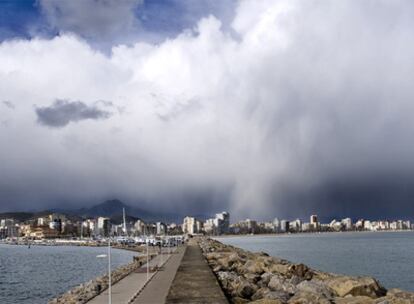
column 87, row 291
column 256, row 277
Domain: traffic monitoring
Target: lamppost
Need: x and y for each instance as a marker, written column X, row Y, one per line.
column 109, row 269
column 109, row 272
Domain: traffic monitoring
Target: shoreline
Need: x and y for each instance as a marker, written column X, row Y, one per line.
column 137, row 249
column 303, row 233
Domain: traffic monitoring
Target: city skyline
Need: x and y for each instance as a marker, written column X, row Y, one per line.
column 52, row 226
column 255, row 107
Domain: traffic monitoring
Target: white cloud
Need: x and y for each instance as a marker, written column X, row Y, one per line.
column 301, row 93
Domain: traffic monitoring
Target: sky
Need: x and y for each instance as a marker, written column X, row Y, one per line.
column 263, row 108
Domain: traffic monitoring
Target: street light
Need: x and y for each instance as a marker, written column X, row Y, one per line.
column 109, row 270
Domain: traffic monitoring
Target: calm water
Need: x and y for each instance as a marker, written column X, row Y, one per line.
column 387, row 256
column 37, row 274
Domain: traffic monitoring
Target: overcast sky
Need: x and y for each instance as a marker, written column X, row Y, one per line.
column 263, row 108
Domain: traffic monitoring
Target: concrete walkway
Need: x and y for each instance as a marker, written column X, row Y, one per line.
column 127, row 288
column 195, row 282
column 156, row 291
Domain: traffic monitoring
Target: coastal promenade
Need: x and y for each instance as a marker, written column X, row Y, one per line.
column 194, row 281
column 156, row 290
column 183, row 277
column 128, row 289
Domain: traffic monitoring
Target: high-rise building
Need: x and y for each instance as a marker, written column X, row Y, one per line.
column 284, row 226
column 191, row 225
column 276, row 225
column 161, row 228
column 296, row 225
column 314, row 221
column 8, row 228
column 222, row 222
column 103, row 226
column 347, row 223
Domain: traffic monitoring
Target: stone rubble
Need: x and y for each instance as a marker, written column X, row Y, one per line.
column 248, row 277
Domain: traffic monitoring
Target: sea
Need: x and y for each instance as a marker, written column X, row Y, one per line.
column 37, row 274
column 386, row 256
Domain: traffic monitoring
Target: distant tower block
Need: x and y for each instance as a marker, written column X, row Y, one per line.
column 314, row 221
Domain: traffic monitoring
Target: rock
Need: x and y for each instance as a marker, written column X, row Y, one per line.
column 238, row 300
column 355, row 300
column 213, row 256
column 361, row 286
column 234, row 257
column 277, row 295
column 267, row 260
column 226, row 279
column 252, row 277
column 278, row 283
column 301, row 271
column 396, row 296
column 246, row 290
column 86, row 291
column 254, row 266
column 260, row 293
column 267, row 301
column 398, row 293
column 218, row 268
column 302, row 297
column 316, row 287
column 265, row 279
column 295, row 280
column 278, row 269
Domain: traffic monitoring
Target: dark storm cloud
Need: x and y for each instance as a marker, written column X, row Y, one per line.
column 303, row 107
column 104, row 21
column 62, row 112
column 9, row 104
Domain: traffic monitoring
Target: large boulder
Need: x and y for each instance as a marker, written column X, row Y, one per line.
column 301, row 270
column 265, row 279
column 282, row 269
column 238, row 300
column 227, row 279
column 398, row 293
column 361, row 286
column 254, row 266
column 355, row 300
column 252, row 277
column 213, row 256
column 260, row 293
column 303, row 297
column 396, row 296
column 316, row 287
column 277, row 295
column 278, row 283
column 246, row 290
column 267, row 301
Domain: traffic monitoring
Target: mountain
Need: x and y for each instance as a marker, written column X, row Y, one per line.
column 20, row 216
column 113, row 209
column 110, row 208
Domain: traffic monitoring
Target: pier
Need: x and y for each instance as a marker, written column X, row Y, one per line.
column 182, row 276
column 194, row 281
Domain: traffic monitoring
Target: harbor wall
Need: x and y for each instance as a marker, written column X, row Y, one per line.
column 248, row 277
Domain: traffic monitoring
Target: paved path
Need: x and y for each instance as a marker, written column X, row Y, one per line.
column 156, row 291
column 124, row 290
column 195, row 282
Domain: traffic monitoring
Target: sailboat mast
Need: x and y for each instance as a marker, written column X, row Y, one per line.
column 124, row 223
